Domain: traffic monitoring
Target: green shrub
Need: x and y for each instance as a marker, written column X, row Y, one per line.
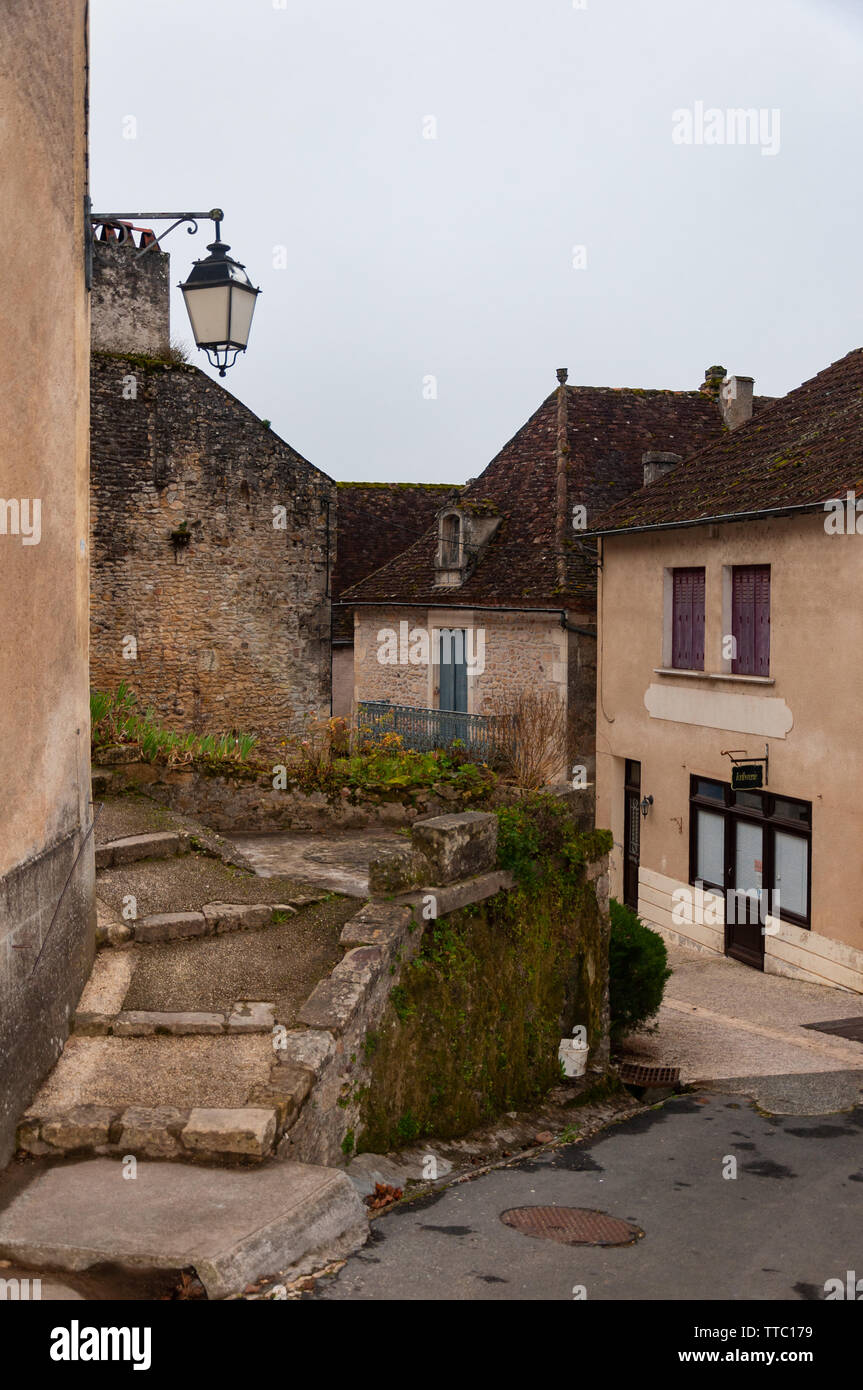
column 538, row 840
column 638, row 970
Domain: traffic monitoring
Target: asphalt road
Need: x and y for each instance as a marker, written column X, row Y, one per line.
column 791, row 1219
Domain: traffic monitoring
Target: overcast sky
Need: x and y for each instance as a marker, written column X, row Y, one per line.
column 455, row 257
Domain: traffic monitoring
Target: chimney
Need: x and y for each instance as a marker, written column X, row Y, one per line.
column 712, row 382
column 735, row 400
column 656, row 464
column 130, row 298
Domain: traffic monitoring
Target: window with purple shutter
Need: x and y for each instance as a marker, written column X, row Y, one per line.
column 750, row 619
column 687, row 634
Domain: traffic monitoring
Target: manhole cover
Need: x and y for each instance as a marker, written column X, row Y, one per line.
column 840, row 1028
column 571, row 1225
column 632, row 1074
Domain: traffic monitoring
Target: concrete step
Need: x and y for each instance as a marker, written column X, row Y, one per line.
column 161, row 844
column 232, row 1226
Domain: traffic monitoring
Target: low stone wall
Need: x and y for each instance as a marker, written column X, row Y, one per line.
column 351, row 1024
column 248, row 803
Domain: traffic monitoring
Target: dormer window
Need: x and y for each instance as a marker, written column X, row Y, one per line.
column 450, row 558
column 463, row 532
column 450, row 542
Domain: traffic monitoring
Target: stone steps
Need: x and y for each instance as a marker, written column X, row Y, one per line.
column 232, row 1227
column 214, row 919
column 161, row 844
column 247, row 1133
column 247, row 1016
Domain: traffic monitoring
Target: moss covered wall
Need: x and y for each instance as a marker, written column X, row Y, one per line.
column 473, row 1027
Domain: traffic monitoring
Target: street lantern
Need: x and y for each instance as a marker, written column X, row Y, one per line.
column 220, row 297
column 220, row 301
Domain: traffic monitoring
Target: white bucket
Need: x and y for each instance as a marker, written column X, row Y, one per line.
column 573, row 1055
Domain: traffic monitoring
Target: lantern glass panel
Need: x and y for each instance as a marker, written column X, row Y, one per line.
column 208, row 311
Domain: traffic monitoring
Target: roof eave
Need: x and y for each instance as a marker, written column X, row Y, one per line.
column 722, row 518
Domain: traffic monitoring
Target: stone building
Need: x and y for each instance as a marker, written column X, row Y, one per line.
column 728, row 732
column 377, row 521
column 47, row 912
column 213, row 540
column 498, row 595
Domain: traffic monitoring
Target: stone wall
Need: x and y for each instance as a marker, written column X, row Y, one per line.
column 248, row 802
column 517, row 652
column 512, row 652
column 207, row 599
column 372, row 1052
column 46, row 935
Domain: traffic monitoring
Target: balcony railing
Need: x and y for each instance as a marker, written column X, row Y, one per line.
column 427, row 729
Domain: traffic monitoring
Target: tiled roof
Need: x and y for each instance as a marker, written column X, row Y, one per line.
column 609, row 430
column 806, row 449
column 376, row 521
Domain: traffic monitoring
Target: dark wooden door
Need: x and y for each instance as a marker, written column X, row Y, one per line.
column 744, row 935
column 631, row 833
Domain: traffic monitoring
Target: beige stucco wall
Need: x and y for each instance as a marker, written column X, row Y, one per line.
column 44, row 720
column 809, row 713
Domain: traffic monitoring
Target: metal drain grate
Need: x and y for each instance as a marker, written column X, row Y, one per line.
column 571, row 1225
column 851, row 1028
column 631, row 1074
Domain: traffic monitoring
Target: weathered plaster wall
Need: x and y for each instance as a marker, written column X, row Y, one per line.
column 44, row 731
column 131, row 298
column 812, row 706
column 231, row 617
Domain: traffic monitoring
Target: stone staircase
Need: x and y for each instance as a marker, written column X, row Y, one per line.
column 225, row 1059
column 194, row 1099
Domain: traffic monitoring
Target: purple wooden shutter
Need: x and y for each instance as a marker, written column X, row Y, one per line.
column 762, row 620
column 750, row 619
column 687, row 623
column 697, row 620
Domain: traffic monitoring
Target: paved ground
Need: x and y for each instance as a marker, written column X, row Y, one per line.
column 721, row 1019
column 790, row 1220
column 230, row 1225
column 185, row 882
column 337, row 861
column 183, row 1072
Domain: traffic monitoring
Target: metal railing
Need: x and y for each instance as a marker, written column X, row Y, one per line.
column 427, row 729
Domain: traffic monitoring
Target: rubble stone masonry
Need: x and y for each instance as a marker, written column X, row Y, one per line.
column 516, row 652
column 207, row 598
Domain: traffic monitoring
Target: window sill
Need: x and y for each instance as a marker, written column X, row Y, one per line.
column 713, row 676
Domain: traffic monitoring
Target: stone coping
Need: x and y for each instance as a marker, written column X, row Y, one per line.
column 246, row 1016
column 214, row 919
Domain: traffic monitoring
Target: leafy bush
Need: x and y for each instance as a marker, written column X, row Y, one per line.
column 638, row 970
